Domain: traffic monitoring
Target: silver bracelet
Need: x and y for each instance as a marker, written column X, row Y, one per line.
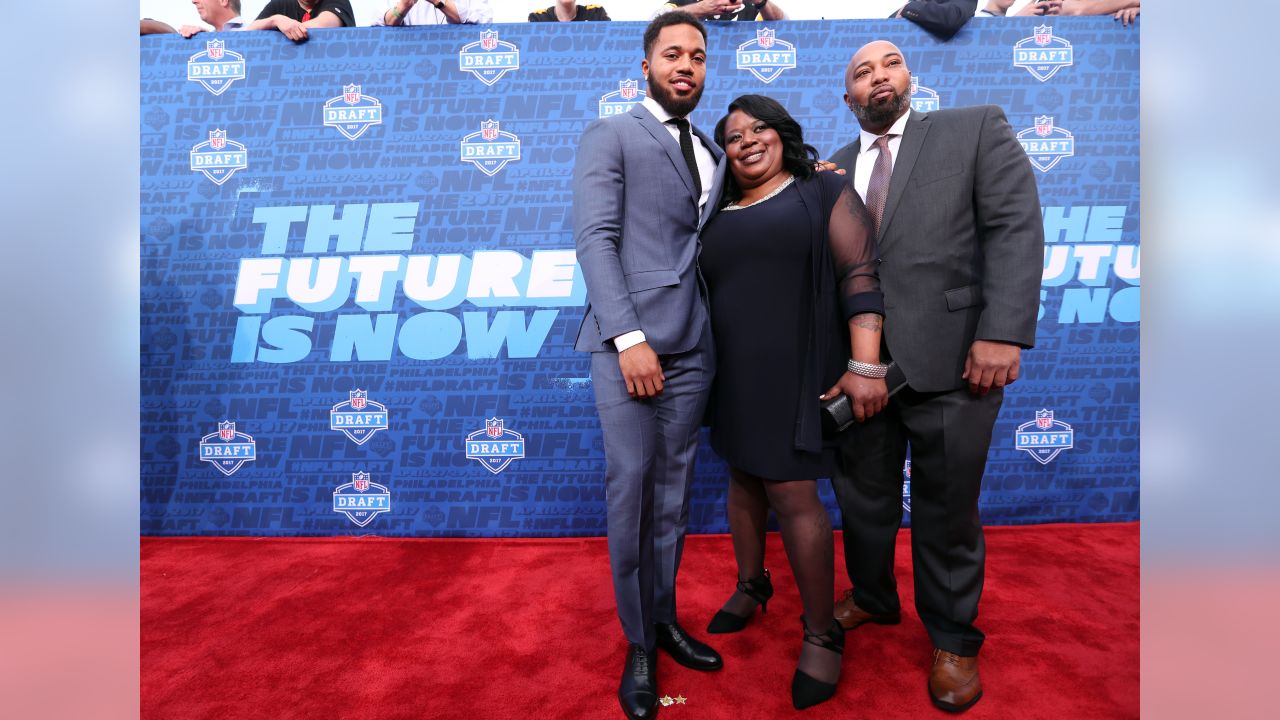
column 868, row 370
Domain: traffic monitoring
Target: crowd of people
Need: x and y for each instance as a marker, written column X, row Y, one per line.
column 293, row 18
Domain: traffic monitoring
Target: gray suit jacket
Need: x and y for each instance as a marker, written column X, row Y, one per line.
column 635, row 225
column 961, row 242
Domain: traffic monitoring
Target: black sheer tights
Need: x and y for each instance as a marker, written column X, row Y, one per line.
column 806, row 535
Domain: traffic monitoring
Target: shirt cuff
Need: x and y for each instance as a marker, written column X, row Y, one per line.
column 628, row 339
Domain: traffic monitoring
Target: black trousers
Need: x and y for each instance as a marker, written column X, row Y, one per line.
column 949, row 434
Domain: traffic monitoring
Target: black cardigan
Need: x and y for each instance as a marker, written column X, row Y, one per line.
column 828, row 351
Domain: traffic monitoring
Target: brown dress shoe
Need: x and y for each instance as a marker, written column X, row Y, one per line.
column 954, row 684
column 850, row 616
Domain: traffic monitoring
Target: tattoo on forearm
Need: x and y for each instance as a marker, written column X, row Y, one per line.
column 868, row 321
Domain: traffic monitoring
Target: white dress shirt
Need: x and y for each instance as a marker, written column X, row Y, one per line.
column 706, row 161
column 868, row 152
column 706, row 172
column 424, row 13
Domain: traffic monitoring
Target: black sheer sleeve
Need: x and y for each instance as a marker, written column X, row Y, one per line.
column 854, row 255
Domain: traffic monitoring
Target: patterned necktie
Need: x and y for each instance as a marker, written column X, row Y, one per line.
column 686, row 149
column 878, row 188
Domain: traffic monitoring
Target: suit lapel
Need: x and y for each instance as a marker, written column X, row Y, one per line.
column 668, row 143
column 908, row 152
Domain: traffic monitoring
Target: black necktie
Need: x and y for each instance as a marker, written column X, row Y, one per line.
column 686, row 149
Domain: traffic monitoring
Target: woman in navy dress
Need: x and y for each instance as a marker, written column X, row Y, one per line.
column 790, row 265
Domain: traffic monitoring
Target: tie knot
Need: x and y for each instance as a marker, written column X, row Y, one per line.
column 680, row 123
column 882, row 142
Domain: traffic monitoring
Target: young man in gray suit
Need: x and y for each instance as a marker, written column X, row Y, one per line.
column 643, row 185
column 961, row 243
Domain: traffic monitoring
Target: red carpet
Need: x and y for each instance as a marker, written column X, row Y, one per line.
column 495, row 629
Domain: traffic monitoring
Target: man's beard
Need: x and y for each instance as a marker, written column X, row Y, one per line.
column 883, row 113
column 678, row 107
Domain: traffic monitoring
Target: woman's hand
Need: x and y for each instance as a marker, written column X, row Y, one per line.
column 868, row 396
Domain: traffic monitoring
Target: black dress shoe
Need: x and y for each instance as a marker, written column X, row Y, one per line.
column 638, row 691
column 686, row 650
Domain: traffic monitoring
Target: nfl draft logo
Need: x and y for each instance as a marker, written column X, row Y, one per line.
column 219, row 157
column 361, row 500
column 1042, row 54
column 766, row 56
column 620, row 101
column 489, row 58
column 216, row 67
column 1044, row 437
column 491, row 148
column 1046, row 144
column 906, row 486
column 352, row 112
column 358, row 418
column 227, row 449
column 495, row 446
column 922, row 98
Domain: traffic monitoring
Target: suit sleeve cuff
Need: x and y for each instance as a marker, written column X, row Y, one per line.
column 628, row 339
column 1023, row 344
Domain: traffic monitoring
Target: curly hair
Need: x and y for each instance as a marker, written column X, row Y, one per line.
column 797, row 157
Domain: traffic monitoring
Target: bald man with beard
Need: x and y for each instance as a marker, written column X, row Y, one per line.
column 961, row 243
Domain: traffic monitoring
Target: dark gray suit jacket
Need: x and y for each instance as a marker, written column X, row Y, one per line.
column 635, row 225
column 961, row 242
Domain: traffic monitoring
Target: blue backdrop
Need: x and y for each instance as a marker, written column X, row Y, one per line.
column 359, row 291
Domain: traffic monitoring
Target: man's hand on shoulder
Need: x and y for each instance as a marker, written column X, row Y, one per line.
column 991, row 364
column 642, row 371
column 828, row 166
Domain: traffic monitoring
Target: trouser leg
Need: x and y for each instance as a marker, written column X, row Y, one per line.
column 679, row 415
column 649, row 452
column 950, row 434
column 868, row 487
column 630, row 435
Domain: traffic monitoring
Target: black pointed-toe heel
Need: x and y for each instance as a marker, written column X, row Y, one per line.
column 759, row 589
column 807, row 691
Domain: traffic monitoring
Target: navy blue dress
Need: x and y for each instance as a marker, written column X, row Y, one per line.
column 759, row 266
